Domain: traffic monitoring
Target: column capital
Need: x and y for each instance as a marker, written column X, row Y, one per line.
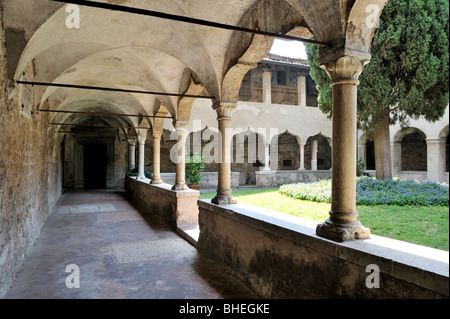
column 141, row 135
column 157, row 134
column 345, row 70
column 131, row 141
column 224, row 110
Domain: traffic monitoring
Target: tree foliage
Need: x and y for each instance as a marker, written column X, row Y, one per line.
column 408, row 74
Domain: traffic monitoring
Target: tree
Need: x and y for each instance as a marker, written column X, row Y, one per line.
column 408, row 75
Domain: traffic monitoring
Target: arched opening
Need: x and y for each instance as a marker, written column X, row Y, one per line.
column 322, row 149
column 370, row 155
column 414, row 151
column 287, row 150
column 248, row 156
column 446, row 154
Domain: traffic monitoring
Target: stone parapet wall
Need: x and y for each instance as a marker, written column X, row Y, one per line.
column 277, row 178
column 280, row 256
column 173, row 207
column 209, row 179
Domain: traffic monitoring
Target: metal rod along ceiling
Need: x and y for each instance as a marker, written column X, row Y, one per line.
column 91, row 133
column 99, row 88
column 179, row 18
column 98, row 126
column 107, row 114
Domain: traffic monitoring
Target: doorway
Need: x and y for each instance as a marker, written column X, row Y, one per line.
column 95, row 159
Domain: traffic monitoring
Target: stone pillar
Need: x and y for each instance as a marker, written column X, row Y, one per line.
column 343, row 224
column 436, row 159
column 314, row 147
column 224, row 116
column 181, row 132
column 267, row 87
column 131, row 153
column 302, row 157
column 267, row 157
column 301, row 87
column 156, row 137
column 396, row 158
column 142, row 137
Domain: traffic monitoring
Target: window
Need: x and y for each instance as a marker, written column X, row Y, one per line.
column 281, row 78
column 287, row 163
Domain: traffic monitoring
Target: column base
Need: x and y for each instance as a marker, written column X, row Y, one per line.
column 180, row 187
column 156, row 181
column 224, row 199
column 342, row 232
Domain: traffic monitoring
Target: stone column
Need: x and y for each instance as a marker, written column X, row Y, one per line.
column 343, row 224
column 302, row 157
column 267, row 87
column 314, row 147
column 396, row 153
column 267, row 157
column 156, row 137
column 224, row 116
column 436, row 159
column 131, row 153
column 142, row 137
column 181, row 132
column 301, row 87
column 362, row 151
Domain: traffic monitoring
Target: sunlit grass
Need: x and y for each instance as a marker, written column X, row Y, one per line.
column 427, row 226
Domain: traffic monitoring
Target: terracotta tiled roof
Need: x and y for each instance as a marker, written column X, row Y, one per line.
column 282, row 59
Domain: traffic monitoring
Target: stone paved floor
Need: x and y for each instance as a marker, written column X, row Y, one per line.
column 120, row 254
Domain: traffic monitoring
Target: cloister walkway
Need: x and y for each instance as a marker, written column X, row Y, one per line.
column 121, row 253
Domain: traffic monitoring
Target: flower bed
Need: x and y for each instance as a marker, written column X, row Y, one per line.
column 370, row 191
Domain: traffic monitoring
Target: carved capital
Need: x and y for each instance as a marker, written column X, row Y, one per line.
column 345, row 70
column 141, row 135
column 156, row 135
column 131, row 141
column 224, row 110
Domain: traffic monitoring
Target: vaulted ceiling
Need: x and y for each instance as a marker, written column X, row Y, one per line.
column 137, row 52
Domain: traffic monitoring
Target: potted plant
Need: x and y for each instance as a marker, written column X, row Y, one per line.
column 194, row 166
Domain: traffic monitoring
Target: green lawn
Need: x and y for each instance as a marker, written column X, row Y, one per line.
column 427, row 226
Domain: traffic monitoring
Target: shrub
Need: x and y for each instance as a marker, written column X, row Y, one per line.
column 370, row 191
column 194, row 166
column 360, row 167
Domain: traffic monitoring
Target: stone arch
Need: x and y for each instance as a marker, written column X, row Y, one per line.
column 270, row 15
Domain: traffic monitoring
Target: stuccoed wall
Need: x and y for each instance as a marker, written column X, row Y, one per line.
column 209, row 179
column 277, row 178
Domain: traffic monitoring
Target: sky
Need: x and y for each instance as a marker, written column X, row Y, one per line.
column 291, row 49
